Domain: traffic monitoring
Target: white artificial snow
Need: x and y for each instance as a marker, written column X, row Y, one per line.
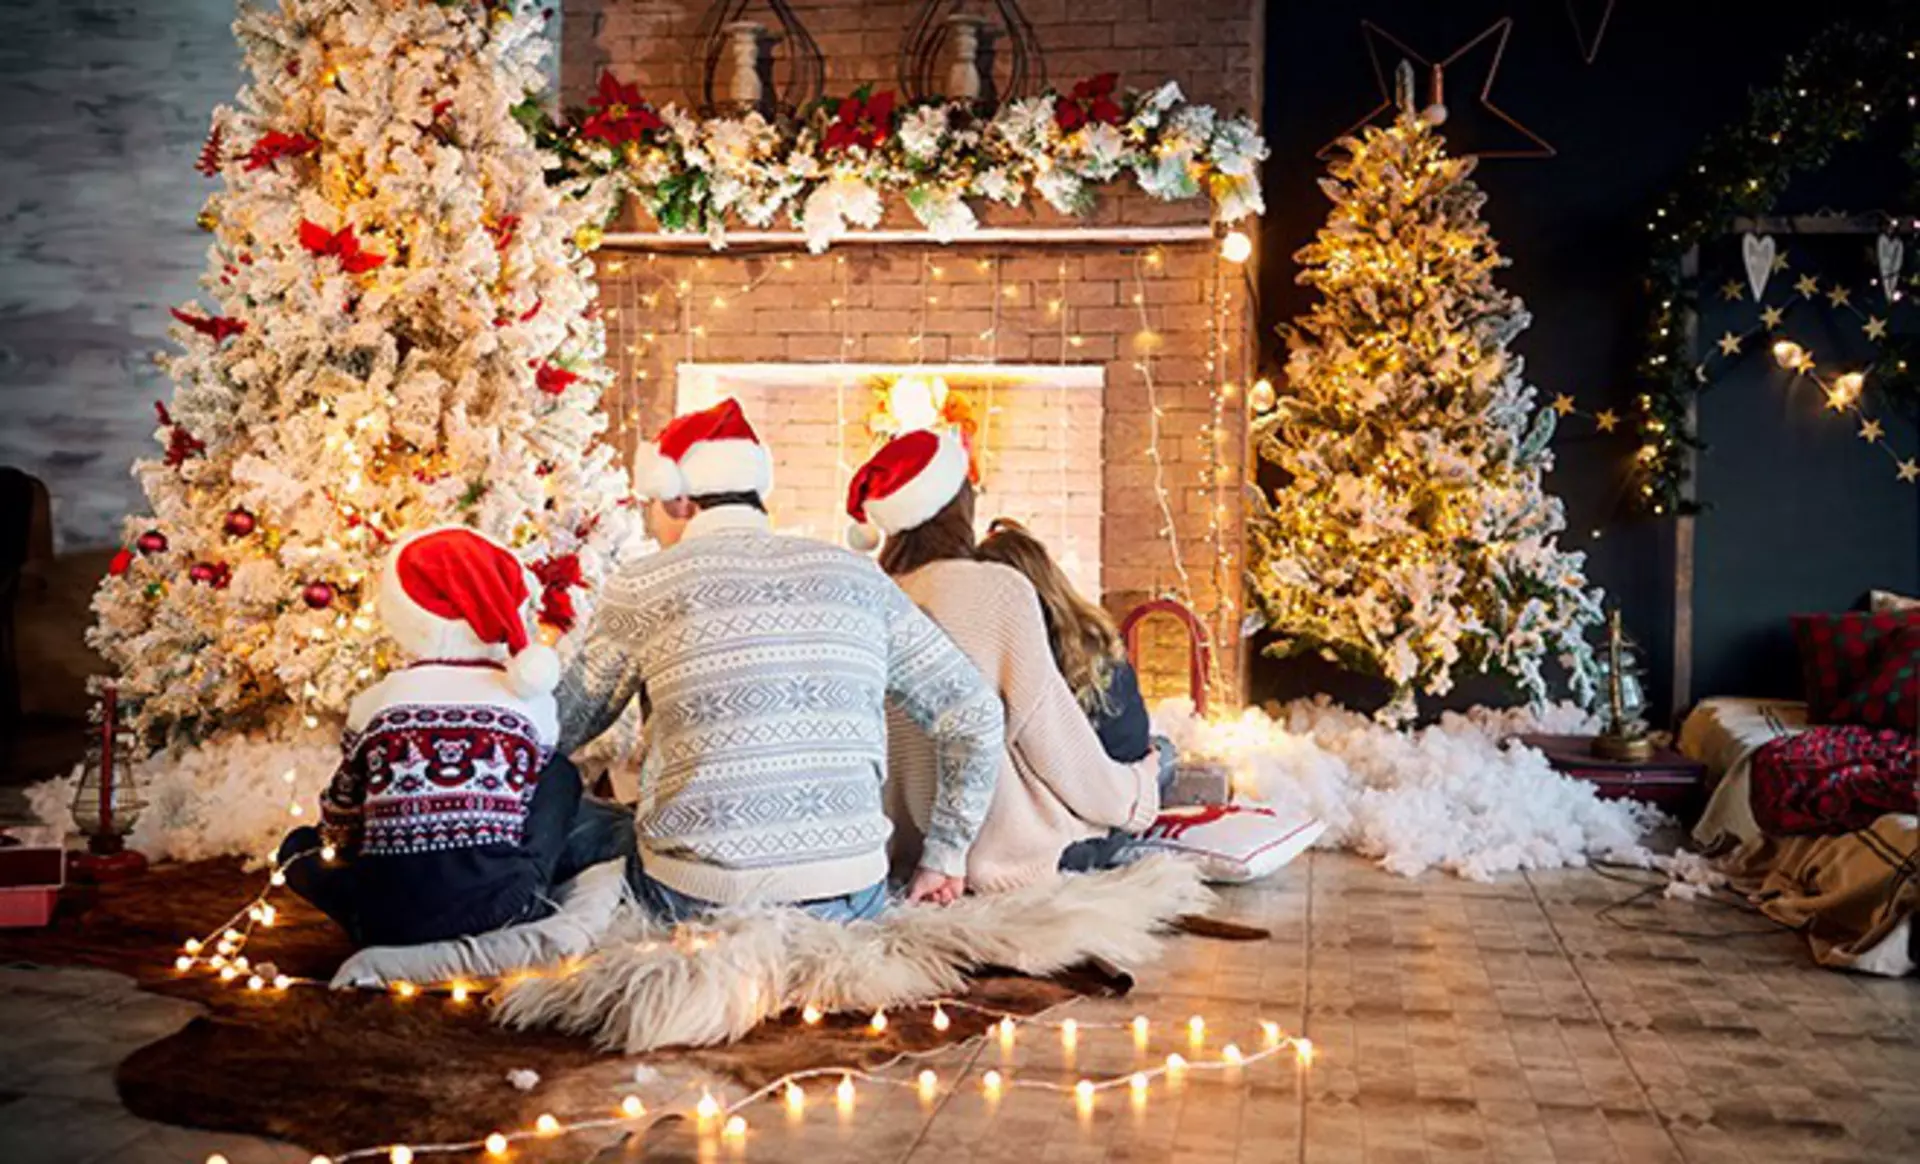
column 1450, row 796
column 523, row 1078
column 230, row 796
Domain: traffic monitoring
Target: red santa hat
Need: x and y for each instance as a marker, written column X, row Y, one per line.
column 711, row 451
column 906, row 484
column 457, row 595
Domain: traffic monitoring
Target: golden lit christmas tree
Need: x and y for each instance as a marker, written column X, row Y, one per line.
column 1411, row 537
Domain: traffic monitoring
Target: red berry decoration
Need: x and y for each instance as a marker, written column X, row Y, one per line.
column 318, row 595
column 239, row 523
column 152, row 542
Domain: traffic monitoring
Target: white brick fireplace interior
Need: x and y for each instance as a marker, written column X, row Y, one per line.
column 1038, row 443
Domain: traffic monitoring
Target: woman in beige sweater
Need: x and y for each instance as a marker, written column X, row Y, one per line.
column 1057, row 786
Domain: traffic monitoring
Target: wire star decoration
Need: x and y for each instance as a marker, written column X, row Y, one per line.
column 1499, row 31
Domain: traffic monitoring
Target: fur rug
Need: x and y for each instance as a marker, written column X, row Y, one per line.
column 648, row 986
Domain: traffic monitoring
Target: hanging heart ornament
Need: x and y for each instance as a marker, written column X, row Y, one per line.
column 1757, row 252
column 1890, row 251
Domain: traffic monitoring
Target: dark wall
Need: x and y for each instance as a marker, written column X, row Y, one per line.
column 1573, row 225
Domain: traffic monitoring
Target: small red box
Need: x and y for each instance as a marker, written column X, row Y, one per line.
column 33, row 869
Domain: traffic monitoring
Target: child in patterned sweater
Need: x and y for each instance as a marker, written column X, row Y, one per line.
column 448, row 815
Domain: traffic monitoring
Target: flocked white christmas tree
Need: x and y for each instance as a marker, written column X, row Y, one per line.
column 1411, row 537
column 399, row 332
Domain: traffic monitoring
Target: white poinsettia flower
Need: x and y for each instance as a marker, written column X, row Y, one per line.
column 921, row 130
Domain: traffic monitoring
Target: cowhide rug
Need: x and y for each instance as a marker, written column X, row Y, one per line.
column 334, row 1070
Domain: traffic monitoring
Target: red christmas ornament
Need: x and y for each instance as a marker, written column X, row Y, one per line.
column 214, row 574
column 121, row 563
column 318, row 595
column 209, row 162
column 239, row 523
column 152, row 542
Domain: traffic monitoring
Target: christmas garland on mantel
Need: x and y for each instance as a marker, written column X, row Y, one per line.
column 1847, row 81
column 832, row 165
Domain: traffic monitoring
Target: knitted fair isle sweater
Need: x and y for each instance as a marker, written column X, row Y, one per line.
column 1057, row 784
column 764, row 664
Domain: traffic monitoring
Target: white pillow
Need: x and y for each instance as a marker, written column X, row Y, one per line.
column 1889, row 602
column 1233, row 843
column 586, row 911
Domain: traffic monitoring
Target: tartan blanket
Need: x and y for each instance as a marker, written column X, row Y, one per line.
column 1833, row 779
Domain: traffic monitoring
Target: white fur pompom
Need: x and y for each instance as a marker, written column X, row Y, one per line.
column 655, row 477
column 862, row 537
column 534, row 671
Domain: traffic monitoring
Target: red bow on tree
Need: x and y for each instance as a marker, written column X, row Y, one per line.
column 557, row 576
column 619, row 114
column 861, row 120
column 276, row 145
column 1090, row 101
column 553, row 379
column 181, row 444
column 214, row 327
column 341, row 244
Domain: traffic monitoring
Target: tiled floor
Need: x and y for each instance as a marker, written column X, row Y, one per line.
column 1452, row 1022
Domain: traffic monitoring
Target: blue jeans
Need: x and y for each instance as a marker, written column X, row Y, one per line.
column 603, row 831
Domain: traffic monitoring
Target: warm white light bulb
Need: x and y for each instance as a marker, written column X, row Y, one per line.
column 879, row 1022
column 736, row 1128
column 1236, row 247
column 940, row 1020
column 191, row 946
column 632, row 1108
column 405, row 989
column 844, row 1092
column 546, row 1125
column 1303, row 1049
column 1271, row 1031
column 459, row 992
column 281, row 982
column 810, row 1015
column 1083, row 1090
column 1140, row 1028
column 1176, row 1061
column 991, row 1081
column 796, row 1096
column 1231, row 1053
column 183, row 963
column 400, row 1154
column 708, row 1107
column 1197, row 1028
column 1006, row 1030
column 928, row 1083
column 496, row 1144
column 1069, row 1031
column 1138, row 1082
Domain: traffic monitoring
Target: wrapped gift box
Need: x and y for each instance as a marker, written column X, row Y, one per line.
column 1197, row 782
column 33, row 869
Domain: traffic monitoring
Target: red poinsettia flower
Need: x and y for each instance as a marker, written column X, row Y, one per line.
column 619, row 115
column 181, row 444
column 340, row 243
column 214, row 327
column 553, row 379
column 558, row 576
column 121, row 563
column 1090, row 100
column 861, row 120
column 276, row 145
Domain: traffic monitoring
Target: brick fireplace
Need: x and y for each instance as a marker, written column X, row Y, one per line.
column 1108, row 369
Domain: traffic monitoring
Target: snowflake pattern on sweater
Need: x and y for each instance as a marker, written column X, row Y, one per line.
column 424, row 779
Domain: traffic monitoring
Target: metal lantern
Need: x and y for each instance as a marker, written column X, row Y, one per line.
column 107, row 802
column 738, row 59
column 1624, row 738
column 952, row 52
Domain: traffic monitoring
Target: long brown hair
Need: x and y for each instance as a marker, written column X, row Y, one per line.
column 946, row 535
column 1086, row 644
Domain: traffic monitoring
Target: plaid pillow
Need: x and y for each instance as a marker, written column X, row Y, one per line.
column 1889, row 695
column 1837, row 653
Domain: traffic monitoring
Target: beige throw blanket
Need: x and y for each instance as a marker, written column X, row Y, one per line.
column 1852, row 895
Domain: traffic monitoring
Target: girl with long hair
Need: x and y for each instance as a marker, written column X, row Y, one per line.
column 1057, row 784
column 1086, row 643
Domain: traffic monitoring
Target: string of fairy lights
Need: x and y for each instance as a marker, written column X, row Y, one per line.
column 220, row 952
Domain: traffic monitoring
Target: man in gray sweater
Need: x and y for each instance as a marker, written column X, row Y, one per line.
column 764, row 664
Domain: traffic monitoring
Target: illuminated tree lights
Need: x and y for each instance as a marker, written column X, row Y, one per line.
column 1411, row 537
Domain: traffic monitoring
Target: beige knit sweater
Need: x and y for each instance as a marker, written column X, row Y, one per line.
column 1056, row 783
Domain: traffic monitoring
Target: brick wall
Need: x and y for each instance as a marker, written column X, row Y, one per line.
column 1172, row 308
